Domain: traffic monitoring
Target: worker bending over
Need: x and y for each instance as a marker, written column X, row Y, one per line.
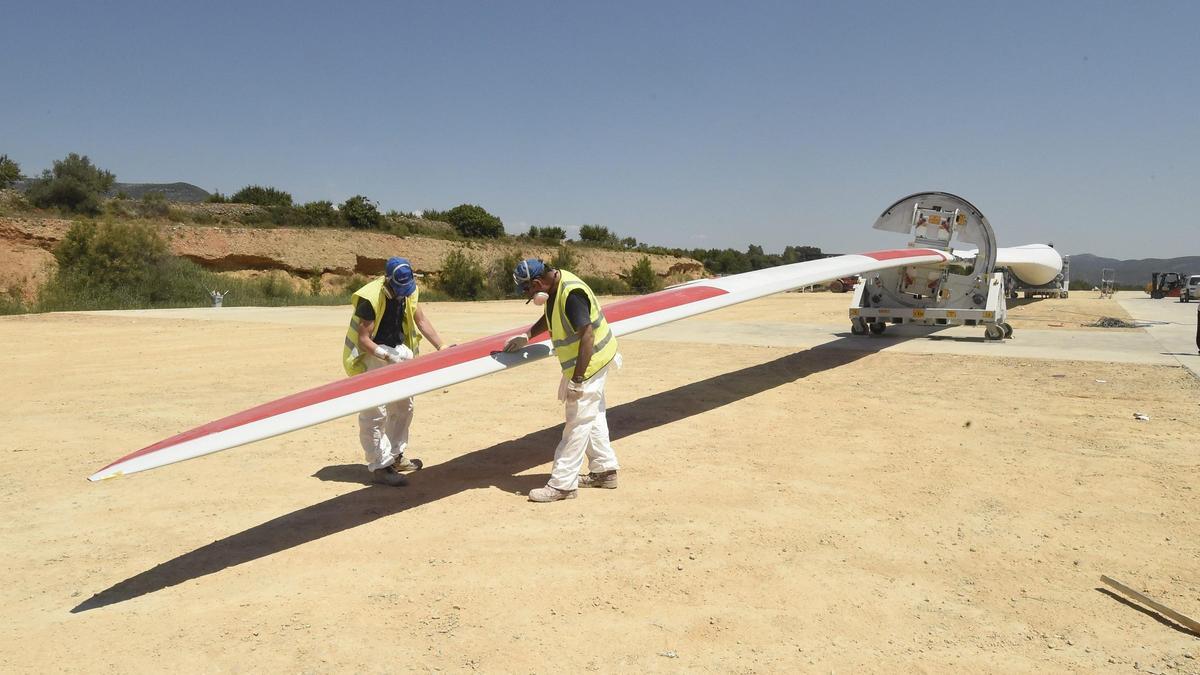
column 586, row 348
column 386, row 328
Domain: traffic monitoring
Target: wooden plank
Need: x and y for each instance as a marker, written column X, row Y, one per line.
column 1189, row 623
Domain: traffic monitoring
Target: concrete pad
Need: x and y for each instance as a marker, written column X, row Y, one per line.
column 1171, row 323
column 1117, row 346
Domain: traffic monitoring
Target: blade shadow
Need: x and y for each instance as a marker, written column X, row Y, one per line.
column 498, row 466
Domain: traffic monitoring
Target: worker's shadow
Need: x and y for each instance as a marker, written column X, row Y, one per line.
column 497, row 466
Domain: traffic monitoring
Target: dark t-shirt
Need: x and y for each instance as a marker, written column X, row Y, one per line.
column 391, row 326
column 579, row 310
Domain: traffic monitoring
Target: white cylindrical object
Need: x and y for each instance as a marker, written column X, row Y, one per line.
column 1034, row 264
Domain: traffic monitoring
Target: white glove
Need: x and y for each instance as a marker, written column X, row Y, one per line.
column 393, row 354
column 574, row 390
column 516, row 342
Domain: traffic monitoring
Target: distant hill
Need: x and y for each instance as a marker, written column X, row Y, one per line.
column 175, row 192
column 1086, row 267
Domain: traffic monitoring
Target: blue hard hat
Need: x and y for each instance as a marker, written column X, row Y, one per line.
column 528, row 270
column 400, row 277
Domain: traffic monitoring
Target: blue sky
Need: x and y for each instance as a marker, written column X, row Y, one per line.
column 688, row 124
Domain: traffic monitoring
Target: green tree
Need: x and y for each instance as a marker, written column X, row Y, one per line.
column 261, row 196
column 320, row 214
column 10, row 172
column 462, row 278
column 473, row 221
column 549, row 234
column 361, row 213
column 598, row 235
column 642, row 278
column 74, row 184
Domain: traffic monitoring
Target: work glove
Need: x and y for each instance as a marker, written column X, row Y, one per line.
column 516, row 342
column 400, row 353
column 574, row 390
column 393, row 354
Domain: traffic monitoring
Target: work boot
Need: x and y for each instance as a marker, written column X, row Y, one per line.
column 388, row 475
column 601, row 479
column 405, row 464
column 550, row 494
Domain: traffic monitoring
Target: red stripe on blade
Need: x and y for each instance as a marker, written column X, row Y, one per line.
column 903, row 253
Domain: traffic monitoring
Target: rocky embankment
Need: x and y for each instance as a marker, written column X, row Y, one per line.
column 26, row 260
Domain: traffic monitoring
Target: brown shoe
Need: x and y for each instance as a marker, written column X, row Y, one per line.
column 550, row 494
column 603, row 479
column 405, row 465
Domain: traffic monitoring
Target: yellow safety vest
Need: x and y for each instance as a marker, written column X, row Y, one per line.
column 374, row 294
column 566, row 341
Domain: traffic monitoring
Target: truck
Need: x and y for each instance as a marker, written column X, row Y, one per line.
column 1165, row 285
column 1055, row 288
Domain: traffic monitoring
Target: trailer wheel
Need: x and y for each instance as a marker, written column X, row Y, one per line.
column 878, row 327
column 858, row 327
column 1008, row 331
column 993, row 332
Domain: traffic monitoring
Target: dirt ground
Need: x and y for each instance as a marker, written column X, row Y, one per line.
column 779, row 510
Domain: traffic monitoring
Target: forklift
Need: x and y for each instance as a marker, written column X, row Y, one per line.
column 1164, row 285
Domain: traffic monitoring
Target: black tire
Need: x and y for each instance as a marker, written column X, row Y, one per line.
column 878, row 327
column 1008, row 330
column 993, row 332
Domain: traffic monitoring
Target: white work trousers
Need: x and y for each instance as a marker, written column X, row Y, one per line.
column 383, row 430
column 586, row 432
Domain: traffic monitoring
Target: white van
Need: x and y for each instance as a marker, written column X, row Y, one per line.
column 1191, row 289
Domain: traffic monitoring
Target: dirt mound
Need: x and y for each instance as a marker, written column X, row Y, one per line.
column 26, row 243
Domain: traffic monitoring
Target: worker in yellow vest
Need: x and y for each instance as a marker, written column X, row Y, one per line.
column 586, row 348
column 386, row 328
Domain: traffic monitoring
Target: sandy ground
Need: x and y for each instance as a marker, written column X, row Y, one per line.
column 849, row 506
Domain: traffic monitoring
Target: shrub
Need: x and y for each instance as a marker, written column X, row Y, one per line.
column 606, row 285
column 74, row 184
column 642, row 278
column 549, row 235
column 598, row 235
column 361, row 213
column 564, row 259
column 473, row 221
column 261, row 196
column 155, row 204
column 462, row 278
column 319, row 214
column 10, row 172
column 110, row 254
column 500, row 276
column 217, row 198
column 12, row 302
